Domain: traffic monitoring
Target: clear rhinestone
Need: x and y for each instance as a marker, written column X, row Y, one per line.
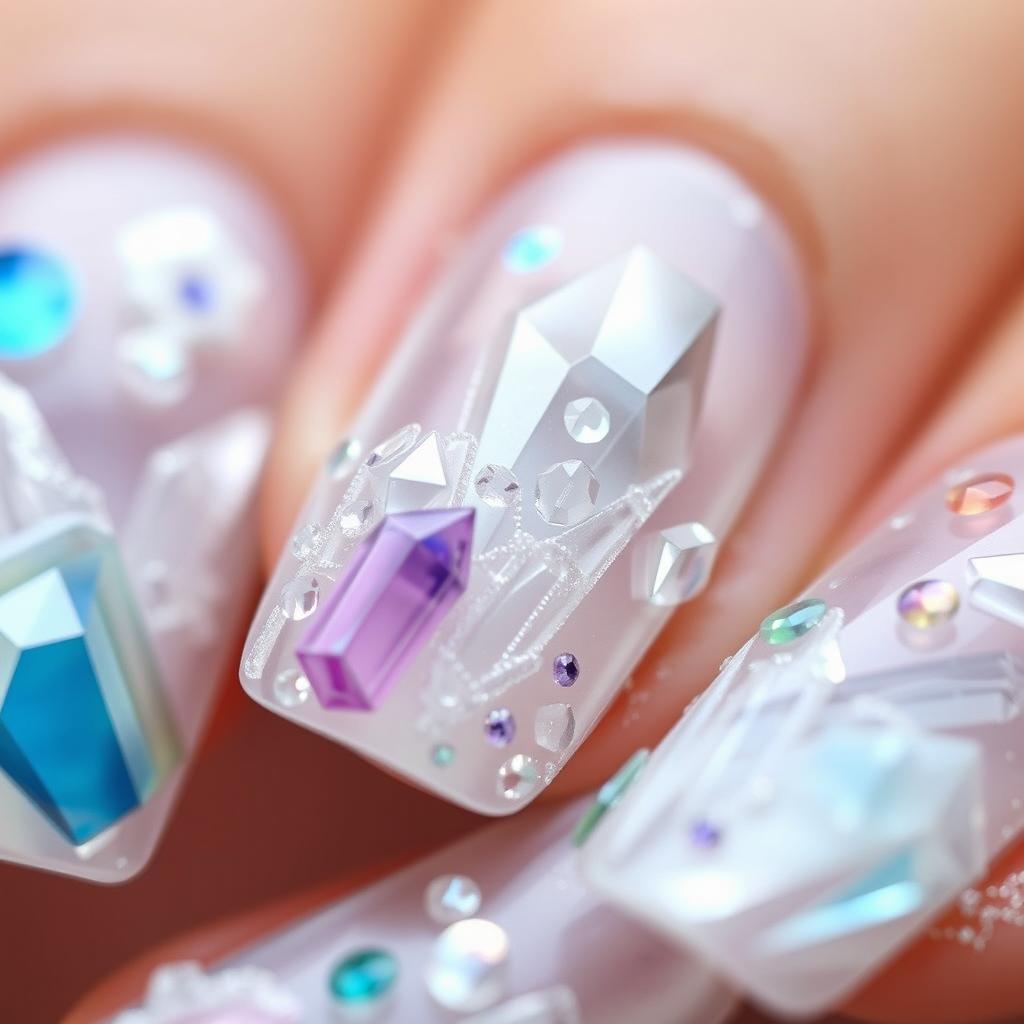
column 587, row 420
column 451, row 898
column 673, row 566
column 291, row 688
column 341, row 461
column 518, row 777
column 467, row 966
column 388, row 449
column 420, row 480
column 497, row 486
column 306, row 540
column 356, row 516
column 554, row 727
column 300, row 597
column 156, row 365
column 567, row 493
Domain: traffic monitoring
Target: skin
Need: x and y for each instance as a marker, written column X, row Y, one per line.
column 886, row 135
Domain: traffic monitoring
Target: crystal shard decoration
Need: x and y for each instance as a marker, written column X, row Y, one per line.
column 634, row 337
column 674, row 565
column 997, row 586
column 83, row 732
column 395, row 592
column 420, row 480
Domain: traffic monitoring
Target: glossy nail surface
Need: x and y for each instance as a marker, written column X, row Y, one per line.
column 840, row 784
column 140, row 345
column 585, row 376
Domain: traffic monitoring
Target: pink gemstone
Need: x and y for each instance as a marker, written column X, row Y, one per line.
column 400, row 584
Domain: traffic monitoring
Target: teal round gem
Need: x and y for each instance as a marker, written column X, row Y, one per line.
column 443, row 754
column 364, row 977
column 37, row 302
column 792, row 622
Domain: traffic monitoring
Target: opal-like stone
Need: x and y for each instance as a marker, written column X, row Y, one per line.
column 979, row 494
column 84, row 732
column 928, row 603
column 37, row 303
column 793, row 621
column 398, row 587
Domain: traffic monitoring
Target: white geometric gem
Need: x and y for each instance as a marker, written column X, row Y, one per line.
column 674, row 565
column 566, row 493
column 420, row 480
column 997, row 586
column 587, row 420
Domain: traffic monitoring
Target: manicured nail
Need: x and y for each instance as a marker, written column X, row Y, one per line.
column 568, row 430
column 854, row 767
column 149, row 299
column 496, row 929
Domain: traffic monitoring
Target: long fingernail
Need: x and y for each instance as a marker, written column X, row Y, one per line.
column 855, row 766
column 497, row 927
column 149, row 300
column 568, row 430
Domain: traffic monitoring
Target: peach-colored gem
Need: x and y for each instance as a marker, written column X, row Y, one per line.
column 979, row 494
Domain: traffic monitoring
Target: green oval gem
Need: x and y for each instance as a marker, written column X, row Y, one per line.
column 364, row 977
column 793, row 621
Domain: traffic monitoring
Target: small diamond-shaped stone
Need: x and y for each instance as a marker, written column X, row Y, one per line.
column 673, row 566
column 567, row 493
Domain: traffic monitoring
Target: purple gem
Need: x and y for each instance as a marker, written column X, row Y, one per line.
column 402, row 581
column 703, row 833
column 566, row 669
column 500, row 727
column 196, row 292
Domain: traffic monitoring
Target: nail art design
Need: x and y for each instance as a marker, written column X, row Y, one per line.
column 583, row 422
column 124, row 542
column 853, row 768
column 515, row 938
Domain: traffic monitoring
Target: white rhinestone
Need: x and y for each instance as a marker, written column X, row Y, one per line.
column 497, row 486
column 554, row 727
column 306, row 540
column 467, row 966
column 566, row 493
column 356, row 516
column 518, row 777
column 587, row 420
column 673, row 566
column 398, row 442
column 451, row 898
column 299, row 598
column 291, row 688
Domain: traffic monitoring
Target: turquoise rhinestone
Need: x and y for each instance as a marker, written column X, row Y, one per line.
column 793, row 621
column 37, row 303
column 442, row 755
column 363, row 977
column 532, row 248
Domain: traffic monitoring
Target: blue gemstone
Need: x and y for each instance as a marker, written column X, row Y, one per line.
column 84, row 732
column 364, row 977
column 532, row 248
column 37, row 303
column 196, row 293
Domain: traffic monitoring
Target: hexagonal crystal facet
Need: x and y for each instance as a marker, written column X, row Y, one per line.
column 567, row 493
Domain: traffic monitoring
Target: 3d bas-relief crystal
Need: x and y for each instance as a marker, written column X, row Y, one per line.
column 83, row 732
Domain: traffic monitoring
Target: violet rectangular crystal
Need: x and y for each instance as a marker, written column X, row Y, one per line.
column 400, row 584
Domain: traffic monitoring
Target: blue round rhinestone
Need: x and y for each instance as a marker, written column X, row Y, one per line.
column 37, row 302
column 532, row 248
column 363, row 977
column 196, row 293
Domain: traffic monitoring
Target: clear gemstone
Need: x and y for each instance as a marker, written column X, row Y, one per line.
column 420, row 480
column 398, row 442
column 156, row 365
column 500, row 727
column 793, row 621
column 554, row 727
column 37, row 303
column 451, row 898
column 997, row 586
column 356, row 516
column 442, row 754
column 587, row 420
column 674, row 565
column 468, row 965
column 291, row 688
column 928, row 603
column 342, row 460
column 519, row 777
column 566, row 493
column 306, row 541
column 979, row 494
column 532, row 248
column 497, row 486
column 363, row 978
column 300, row 597
column 565, row 669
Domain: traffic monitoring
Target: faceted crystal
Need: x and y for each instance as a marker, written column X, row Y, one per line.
column 979, row 494
column 84, row 732
column 500, row 727
column 928, row 603
column 554, row 727
column 37, row 303
column 306, row 540
column 291, row 688
column 565, row 669
column 566, row 493
column 420, row 480
column 674, row 565
column 997, row 586
column 518, row 777
column 587, row 420
column 452, row 898
column 357, row 516
column 363, row 978
column 468, row 965
column 300, row 597
column 497, row 487
column 394, row 593
column 793, row 621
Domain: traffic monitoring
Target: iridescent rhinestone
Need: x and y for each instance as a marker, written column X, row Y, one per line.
column 451, row 898
column 519, row 777
column 532, row 248
column 566, row 493
column 343, row 458
column 497, row 486
column 500, row 727
column 554, row 727
column 467, row 966
column 793, row 621
column 928, row 603
column 363, row 978
column 300, row 597
column 306, row 540
column 442, row 754
column 356, row 515
column 291, row 688
column 978, row 494
column 587, row 420
column 37, row 303
column 566, row 669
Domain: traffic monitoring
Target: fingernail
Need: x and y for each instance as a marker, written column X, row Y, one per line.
column 566, row 433
column 854, row 767
column 497, row 927
column 149, row 300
